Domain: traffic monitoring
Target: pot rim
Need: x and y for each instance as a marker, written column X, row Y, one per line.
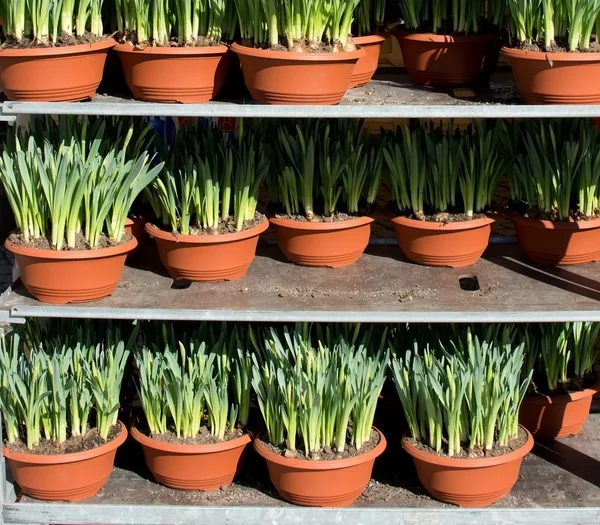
column 332, row 464
column 469, row 463
column 322, row 226
column 553, row 225
column 563, row 399
column 177, row 448
column 107, row 43
column 343, row 56
column 170, row 51
column 162, row 235
column 366, row 40
column 447, row 39
column 71, row 255
column 58, row 459
column 524, row 54
column 450, row 226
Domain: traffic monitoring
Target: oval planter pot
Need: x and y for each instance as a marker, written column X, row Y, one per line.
column 334, row 483
column 174, row 74
column 558, row 243
column 55, row 74
column 367, row 65
column 322, row 244
column 454, row 244
column 282, row 77
column 555, row 78
column 207, row 257
column 64, row 477
column 444, row 60
column 136, row 227
column 550, row 417
column 62, row 277
column 193, row 467
column 468, row 482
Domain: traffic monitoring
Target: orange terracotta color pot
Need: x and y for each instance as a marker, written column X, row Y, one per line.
column 367, row 65
column 64, row 477
column 444, row 60
column 555, row 78
column 281, row 77
column 193, row 467
column 558, row 243
column 207, row 257
column 55, row 74
column 468, row 482
column 70, row 276
column 136, row 227
column 557, row 416
column 454, row 244
column 334, row 483
column 322, row 244
column 174, row 74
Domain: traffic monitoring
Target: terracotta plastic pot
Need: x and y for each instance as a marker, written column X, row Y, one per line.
column 136, row 226
column 207, row 257
column 193, row 467
column 367, row 65
column 454, row 244
column 558, row 243
column 64, row 477
column 56, row 74
column 555, row 78
column 468, row 482
column 334, row 483
column 557, row 416
column 444, row 60
column 174, row 74
column 70, row 276
column 281, row 77
column 322, row 244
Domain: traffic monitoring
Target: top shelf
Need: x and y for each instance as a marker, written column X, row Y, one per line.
column 388, row 96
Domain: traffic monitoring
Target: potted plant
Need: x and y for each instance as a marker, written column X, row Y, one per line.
column 369, row 16
column 60, row 401
column 318, row 399
column 297, row 51
column 175, row 51
column 461, row 401
column 553, row 56
column 322, row 191
column 442, row 184
column 562, row 357
column 52, row 51
column 70, row 195
column 554, row 183
column 206, row 198
column 450, row 42
column 195, row 393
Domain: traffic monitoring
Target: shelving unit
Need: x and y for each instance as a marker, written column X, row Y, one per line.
column 559, row 485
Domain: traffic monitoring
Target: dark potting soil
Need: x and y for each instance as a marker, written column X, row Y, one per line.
column 227, row 226
column 575, row 384
column 204, row 437
column 477, row 453
column 336, row 217
column 326, row 453
column 88, row 441
column 195, row 42
column 534, row 213
column 306, row 47
column 64, row 40
column 81, row 242
column 557, row 47
column 429, row 216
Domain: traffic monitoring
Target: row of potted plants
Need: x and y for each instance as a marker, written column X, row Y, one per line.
column 466, row 393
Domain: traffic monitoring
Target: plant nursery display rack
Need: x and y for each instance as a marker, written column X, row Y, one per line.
column 560, row 483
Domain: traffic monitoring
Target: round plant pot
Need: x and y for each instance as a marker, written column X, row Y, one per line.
column 64, row 477
column 136, row 227
column 174, row 74
column 555, row 78
column 333, row 483
column 367, row 65
column 557, row 416
column 55, row 74
column 444, row 60
column 558, row 243
column 453, row 244
column 193, row 467
column 474, row 482
column 282, row 77
column 322, row 244
column 77, row 276
column 207, row 257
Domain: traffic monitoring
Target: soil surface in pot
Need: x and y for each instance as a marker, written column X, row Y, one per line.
column 204, row 437
column 534, row 213
column 478, row 453
column 88, row 441
column 81, row 242
column 336, row 217
column 577, row 384
column 430, row 215
column 65, row 40
column 224, row 227
column 556, row 47
column 326, row 453
column 195, row 42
